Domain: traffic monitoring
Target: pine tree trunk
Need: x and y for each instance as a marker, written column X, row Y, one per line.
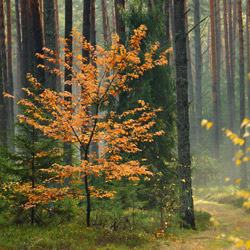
column 58, row 78
column 231, row 53
column 3, row 131
column 19, row 48
column 218, row 59
column 229, row 90
column 50, row 39
column 171, row 16
column 86, row 25
column 25, row 43
column 68, row 29
column 9, row 86
column 243, row 170
column 190, row 86
column 184, row 162
column 120, row 25
column 105, row 23
column 4, row 80
column 198, row 73
column 248, row 52
column 214, row 81
column 87, row 35
column 37, row 39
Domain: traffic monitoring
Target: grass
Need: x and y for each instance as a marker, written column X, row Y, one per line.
column 75, row 235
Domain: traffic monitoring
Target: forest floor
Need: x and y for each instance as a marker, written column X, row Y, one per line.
column 229, row 224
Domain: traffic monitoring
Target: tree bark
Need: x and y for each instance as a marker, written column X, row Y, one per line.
column 214, row 81
column 229, row 90
column 37, row 39
column 184, row 162
column 120, row 25
column 57, row 49
column 218, row 59
column 248, row 52
column 231, row 53
column 25, row 43
column 106, row 24
column 50, row 40
column 9, row 86
column 4, row 79
column 243, row 170
column 198, row 73
column 190, row 86
column 68, row 74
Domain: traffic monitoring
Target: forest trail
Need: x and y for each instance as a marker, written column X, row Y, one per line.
column 228, row 221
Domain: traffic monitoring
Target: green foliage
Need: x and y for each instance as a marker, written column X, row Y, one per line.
column 206, row 170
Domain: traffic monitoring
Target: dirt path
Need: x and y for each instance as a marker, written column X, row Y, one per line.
column 228, row 221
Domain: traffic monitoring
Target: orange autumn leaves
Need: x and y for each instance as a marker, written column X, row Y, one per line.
column 77, row 118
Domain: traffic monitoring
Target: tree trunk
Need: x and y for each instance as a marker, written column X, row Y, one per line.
column 243, row 170
column 248, row 52
column 4, row 80
column 184, row 162
column 68, row 77
column 218, row 59
column 37, row 39
column 87, row 35
column 86, row 25
column 120, row 25
column 57, row 49
column 3, row 131
column 9, row 86
column 50, row 39
column 25, row 43
column 231, row 53
column 19, row 48
column 214, row 81
column 229, row 90
column 105, row 24
column 198, row 73
column 190, row 86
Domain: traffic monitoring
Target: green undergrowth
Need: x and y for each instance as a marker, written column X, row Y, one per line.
column 144, row 234
column 223, row 195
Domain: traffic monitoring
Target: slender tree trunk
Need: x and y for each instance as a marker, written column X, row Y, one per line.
column 184, row 162
column 105, row 23
column 218, row 59
column 198, row 73
column 120, row 25
column 68, row 77
column 4, row 79
column 229, row 90
column 86, row 24
column 25, row 43
column 231, row 52
column 243, row 170
column 190, row 86
column 19, row 47
column 3, row 129
column 50, row 39
column 248, row 52
column 37, row 38
column 214, row 81
column 87, row 35
column 57, row 49
column 9, row 86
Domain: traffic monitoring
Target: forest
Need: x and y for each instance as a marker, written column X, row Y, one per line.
column 124, row 124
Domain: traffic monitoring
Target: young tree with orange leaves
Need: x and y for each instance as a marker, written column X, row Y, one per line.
column 80, row 122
